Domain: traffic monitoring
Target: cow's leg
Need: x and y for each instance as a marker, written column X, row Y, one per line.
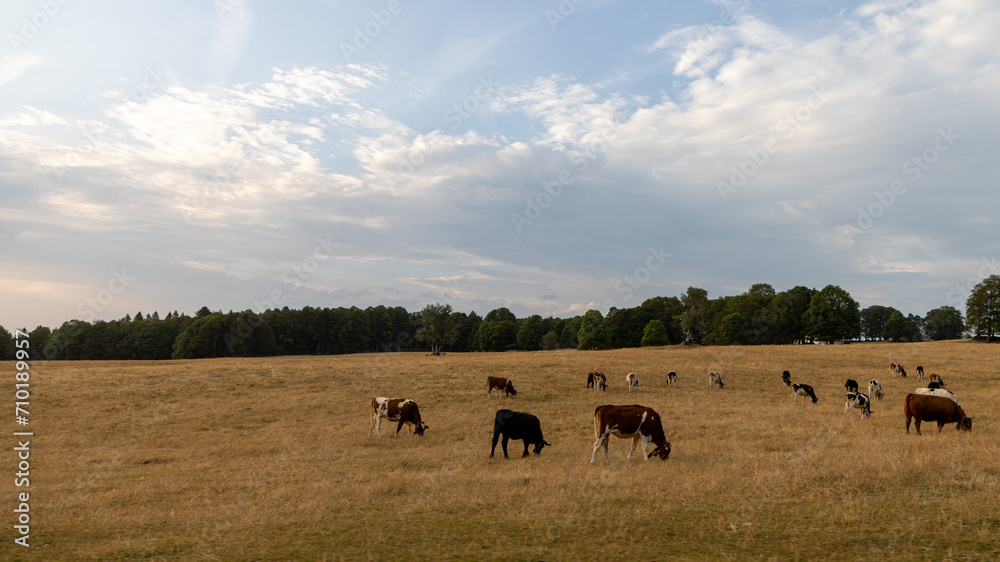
column 496, row 437
column 940, row 426
column 378, row 426
column 372, row 426
column 525, row 449
column 398, row 427
column 916, row 424
column 635, row 441
column 601, row 441
column 645, row 443
column 907, row 423
column 504, row 445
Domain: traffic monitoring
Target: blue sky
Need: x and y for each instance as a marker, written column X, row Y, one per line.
column 549, row 157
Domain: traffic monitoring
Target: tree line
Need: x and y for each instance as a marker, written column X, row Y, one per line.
column 760, row 316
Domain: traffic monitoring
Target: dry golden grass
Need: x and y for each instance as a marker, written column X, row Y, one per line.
column 270, row 459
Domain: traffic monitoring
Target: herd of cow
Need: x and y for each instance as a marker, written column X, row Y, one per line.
column 642, row 424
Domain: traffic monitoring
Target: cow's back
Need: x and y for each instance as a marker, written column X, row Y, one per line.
column 926, row 407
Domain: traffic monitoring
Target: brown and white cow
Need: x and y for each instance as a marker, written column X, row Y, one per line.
column 935, row 378
column 631, row 380
column 923, row 408
column 502, row 384
column 638, row 422
column 400, row 410
column 715, row 380
column 600, row 381
column 897, row 369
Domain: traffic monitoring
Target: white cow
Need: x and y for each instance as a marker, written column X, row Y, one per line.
column 937, row 392
column 632, row 380
column 875, row 389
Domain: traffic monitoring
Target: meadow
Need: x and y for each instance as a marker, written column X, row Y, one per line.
column 270, row 459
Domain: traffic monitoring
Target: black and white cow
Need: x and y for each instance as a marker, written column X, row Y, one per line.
column 638, row 422
column 875, row 389
column 851, row 385
column 671, row 378
column 600, row 382
column 400, row 410
column 857, row 400
column 786, row 378
column 715, row 380
column 805, row 391
column 517, row 425
column 920, row 372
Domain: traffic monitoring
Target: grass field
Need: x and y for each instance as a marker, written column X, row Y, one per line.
column 270, row 459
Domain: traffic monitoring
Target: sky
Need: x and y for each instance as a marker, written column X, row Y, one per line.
column 549, row 157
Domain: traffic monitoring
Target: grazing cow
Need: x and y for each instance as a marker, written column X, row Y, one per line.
column 632, row 380
column 505, row 387
column 590, row 380
column 517, row 425
column 857, row 400
column 897, row 369
column 399, row 410
column 671, row 378
column 715, row 380
column 934, row 384
column 875, row 389
column 638, row 422
column 920, row 372
column 803, row 390
column 937, row 392
column 786, row 378
column 851, row 385
column 937, row 379
column 600, row 382
column 923, row 408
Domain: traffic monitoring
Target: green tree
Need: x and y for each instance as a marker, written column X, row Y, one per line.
column 896, row 329
column 982, row 308
column 570, row 335
column 833, row 315
column 438, row 327
column 695, row 317
column 783, row 316
column 201, row 339
column 873, row 320
column 503, row 336
column 550, row 341
column 529, row 336
column 7, row 345
column 655, row 334
column 39, row 337
column 945, row 323
column 593, row 333
column 732, row 330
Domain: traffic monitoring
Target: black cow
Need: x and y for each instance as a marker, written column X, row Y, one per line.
column 786, row 378
column 517, row 425
column 851, row 385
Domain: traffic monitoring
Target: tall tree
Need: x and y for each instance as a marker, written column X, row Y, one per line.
column 945, row 323
column 593, row 333
column 982, row 308
column 655, row 334
column 695, row 316
column 438, row 327
column 833, row 315
column 873, row 320
column 529, row 335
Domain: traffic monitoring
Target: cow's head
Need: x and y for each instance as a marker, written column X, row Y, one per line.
column 662, row 451
column 965, row 424
column 420, row 428
column 538, row 446
column 510, row 389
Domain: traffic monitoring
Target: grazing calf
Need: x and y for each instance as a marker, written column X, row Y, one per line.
column 632, row 381
column 897, row 369
column 805, row 391
column 857, row 400
column 600, row 382
column 396, row 410
column 517, row 425
column 638, row 422
column 671, row 378
column 786, row 378
column 937, row 379
column 937, row 392
column 851, row 385
column 934, row 408
column 715, row 380
column 505, row 387
column 875, row 389
column 920, row 372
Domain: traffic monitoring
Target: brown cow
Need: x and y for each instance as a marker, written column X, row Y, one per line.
column 505, row 387
column 396, row 410
column 638, row 422
column 921, row 407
